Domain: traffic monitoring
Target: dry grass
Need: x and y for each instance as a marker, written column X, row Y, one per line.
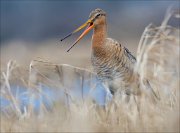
column 157, row 60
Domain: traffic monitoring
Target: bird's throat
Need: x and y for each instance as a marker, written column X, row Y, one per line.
column 99, row 36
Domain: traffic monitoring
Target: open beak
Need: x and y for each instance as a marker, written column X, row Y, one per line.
column 90, row 26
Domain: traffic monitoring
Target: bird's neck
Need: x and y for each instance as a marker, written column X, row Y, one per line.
column 99, row 35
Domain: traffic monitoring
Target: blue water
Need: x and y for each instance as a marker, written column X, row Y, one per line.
column 48, row 96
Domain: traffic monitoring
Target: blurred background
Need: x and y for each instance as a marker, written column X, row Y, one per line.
column 33, row 28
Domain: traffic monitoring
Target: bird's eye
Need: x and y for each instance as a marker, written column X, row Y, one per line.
column 98, row 15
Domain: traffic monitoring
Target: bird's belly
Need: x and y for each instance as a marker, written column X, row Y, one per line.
column 106, row 70
column 109, row 69
column 116, row 75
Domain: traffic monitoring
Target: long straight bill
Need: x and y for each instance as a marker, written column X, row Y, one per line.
column 78, row 29
column 81, row 36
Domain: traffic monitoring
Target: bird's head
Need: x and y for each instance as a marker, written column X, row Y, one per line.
column 96, row 18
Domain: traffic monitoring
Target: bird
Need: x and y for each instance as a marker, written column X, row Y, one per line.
column 112, row 62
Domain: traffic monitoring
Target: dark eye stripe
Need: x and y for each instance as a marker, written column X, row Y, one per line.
column 98, row 15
